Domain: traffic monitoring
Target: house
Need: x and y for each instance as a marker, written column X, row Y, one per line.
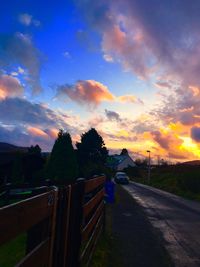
column 120, row 162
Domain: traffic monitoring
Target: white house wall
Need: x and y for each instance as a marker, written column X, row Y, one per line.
column 125, row 163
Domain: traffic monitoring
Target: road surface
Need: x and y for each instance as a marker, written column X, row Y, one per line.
column 177, row 219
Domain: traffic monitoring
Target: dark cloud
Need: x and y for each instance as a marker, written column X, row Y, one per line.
column 195, row 133
column 19, row 49
column 163, row 141
column 140, row 126
column 21, row 111
column 20, row 136
column 182, row 106
column 24, row 123
column 112, row 115
column 177, row 156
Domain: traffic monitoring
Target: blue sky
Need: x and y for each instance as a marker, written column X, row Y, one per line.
column 114, row 65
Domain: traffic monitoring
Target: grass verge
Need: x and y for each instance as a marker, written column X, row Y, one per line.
column 106, row 252
column 12, row 252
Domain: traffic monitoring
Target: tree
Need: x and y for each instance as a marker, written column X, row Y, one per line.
column 62, row 164
column 124, row 151
column 33, row 164
column 141, row 162
column 92, row 153
column 17, row 175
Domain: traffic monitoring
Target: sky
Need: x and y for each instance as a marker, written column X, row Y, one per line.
column 129, row 68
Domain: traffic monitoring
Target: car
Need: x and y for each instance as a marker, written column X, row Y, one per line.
column 121, row 178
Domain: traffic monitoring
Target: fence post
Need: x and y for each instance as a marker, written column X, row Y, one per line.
column 59, row 249
column 75, row 223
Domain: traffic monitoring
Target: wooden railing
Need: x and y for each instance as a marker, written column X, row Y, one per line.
column 62, row 225
column 40, row 212
column 93, row 214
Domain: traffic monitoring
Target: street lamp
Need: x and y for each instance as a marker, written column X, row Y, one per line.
column 149, row 165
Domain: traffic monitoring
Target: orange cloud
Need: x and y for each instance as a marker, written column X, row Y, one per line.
column 91, row 92
column 53, row 133
column 36, row 132
column 86, row 92
column 10, row 87
column 129, row 99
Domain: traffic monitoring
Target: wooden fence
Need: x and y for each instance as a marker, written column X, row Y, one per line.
column 63, row 224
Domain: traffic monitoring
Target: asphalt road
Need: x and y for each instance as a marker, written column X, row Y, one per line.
column 177, row 219
column 136, row 243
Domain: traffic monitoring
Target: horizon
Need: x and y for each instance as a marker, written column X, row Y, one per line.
column 116, row 66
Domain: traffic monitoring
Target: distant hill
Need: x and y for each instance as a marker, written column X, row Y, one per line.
column 5, row 147
column 192, row 162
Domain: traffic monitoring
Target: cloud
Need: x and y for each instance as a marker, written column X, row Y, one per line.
column 181, row 105
column 108, row 58
column 27, row 136
column 147, row 42
column 129, row 99
column 163, row 141
column 163, row 84
column 195, row 134
column 87, row 92
column 92, row 93
column 21, row 111
column 36, row 132
column 10, row 87
column 27, row 20
column 112, row 115
column 25, row 123
column 66, row 54
column 19, row 49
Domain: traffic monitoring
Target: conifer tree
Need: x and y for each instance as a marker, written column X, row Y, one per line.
column 62, row 164
column 92, row 153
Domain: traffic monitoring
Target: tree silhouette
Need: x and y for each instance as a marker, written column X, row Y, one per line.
column 92, row 153
column 62, row 164
column 17, row 175
column 124, row 151
column 33, row 164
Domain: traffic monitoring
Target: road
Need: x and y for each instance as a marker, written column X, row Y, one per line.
column 177, row 219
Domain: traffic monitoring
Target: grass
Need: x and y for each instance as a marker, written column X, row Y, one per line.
column 177, row 179
column 13, row 251
column 105, row 254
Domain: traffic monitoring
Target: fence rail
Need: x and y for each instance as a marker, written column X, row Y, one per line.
column 62, row 225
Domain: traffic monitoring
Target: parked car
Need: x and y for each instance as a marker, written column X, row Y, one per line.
column 121, row 178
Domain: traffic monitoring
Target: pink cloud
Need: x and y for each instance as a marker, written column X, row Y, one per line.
column 129, row 99
column 127, row 48
column 10, row 87
column 36, row 132
column 86, row 92
column 92, row 93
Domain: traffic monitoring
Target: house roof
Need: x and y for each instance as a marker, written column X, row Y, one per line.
column 115, row 160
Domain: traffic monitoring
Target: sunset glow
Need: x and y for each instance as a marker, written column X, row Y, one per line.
column 81, row 64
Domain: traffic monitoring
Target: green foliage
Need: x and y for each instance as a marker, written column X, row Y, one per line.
column 17, row 175
column 33, row 164
column 107, row 251
column 92, row 153
column 182, row 180
column 132, row 171
column 12, row 252
column 62, row 164
column 141, row 162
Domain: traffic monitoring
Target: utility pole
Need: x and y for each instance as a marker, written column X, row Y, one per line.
column 149, row 166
